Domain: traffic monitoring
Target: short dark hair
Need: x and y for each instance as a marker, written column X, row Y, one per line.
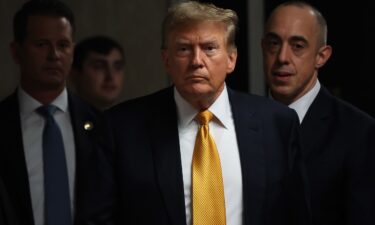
column 99, row 44
column 39, row 7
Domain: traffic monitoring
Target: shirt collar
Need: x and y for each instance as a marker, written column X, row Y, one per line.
column 302, row 104
column 29, row 104
column 220, row 109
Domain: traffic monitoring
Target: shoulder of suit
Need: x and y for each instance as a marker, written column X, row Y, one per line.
column 347, row 110
column 150, row 102
column 259, row 104
column 9, row 104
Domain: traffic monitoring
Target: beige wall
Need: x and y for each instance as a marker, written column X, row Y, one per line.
column 135, row 24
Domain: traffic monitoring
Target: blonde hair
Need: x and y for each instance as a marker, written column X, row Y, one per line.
column 192, row 12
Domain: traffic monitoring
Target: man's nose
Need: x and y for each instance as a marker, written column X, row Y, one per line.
column 109, row 73
column 284, row 54
column 53, row 53
column 197, row 60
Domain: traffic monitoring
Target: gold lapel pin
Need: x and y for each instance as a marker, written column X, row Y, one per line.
column 88, row 125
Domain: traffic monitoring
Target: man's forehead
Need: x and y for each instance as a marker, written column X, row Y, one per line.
column 49, row 26
column 200, row 35
column 200, row 39
column 293, row 15
column 38, row 20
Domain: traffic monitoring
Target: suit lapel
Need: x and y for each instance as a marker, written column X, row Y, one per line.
column 252, row 156
column 80, row 115
column 14, row 170
column 166, row 152
column 315, row 125
column 7, row 215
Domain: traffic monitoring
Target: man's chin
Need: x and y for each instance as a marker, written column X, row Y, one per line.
column 53, row 84
column 107, row 100
column 199, row 90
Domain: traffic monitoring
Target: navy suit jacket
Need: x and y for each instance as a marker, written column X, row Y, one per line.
column 339, row 146
column 148, row 163
column 7, row 216
column 13, row 168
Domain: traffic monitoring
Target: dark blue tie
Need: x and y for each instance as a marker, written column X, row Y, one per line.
column 56, row 182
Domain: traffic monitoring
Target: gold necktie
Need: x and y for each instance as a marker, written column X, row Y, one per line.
column 208, row 190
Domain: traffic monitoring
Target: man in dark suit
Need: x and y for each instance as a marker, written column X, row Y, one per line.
column 43, row 49
column 338, row 140
column 157, row 143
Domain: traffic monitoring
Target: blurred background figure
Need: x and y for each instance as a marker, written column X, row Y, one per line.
column 98, row 71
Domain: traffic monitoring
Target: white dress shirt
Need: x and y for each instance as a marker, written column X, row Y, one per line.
column 303, row 104
column 223, row 132
column 32, row 133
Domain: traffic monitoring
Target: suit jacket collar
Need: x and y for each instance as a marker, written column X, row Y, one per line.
column 28, row 104
column 85, row 127
column 252, row 156
column 220, row 109
column 315, row 126
column 83, row 121
column 321, row 107
column 14, row 170
column 167, row 158
column 7, row 215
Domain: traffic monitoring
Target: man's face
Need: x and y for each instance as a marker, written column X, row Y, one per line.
column 101, row 79
column 46, row 55
column 291, row 53
column 197, row 59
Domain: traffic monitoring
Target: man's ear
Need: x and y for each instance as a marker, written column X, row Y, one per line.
column 232, row 59
column 324, row 53
column 166, row 61
column 165, row 58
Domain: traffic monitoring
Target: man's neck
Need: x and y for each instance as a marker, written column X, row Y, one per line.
column 44, row 96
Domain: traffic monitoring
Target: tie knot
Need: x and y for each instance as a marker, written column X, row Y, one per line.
column 46, row 110
column 204, row 117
